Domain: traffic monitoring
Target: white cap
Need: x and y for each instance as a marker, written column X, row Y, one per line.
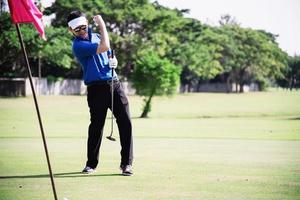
column 79, row 21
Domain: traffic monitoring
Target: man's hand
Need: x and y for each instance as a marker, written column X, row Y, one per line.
column 113, row 62
column 98, row 20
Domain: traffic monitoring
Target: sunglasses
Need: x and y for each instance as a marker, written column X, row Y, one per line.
column 79, row 28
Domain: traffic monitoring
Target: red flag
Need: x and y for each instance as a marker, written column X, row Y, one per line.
column 25, row 11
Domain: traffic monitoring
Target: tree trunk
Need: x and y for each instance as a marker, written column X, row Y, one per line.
column 189, row 87
column 147, row 107
column 236, row 80
column 183, row 88
column 198, row 86
column 228, row 84
column 292, row 83
column 241, row 84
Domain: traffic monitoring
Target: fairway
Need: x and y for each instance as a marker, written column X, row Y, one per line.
column 194, row 146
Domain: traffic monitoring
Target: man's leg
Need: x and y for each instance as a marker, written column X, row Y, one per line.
column 121, row 112
column 97, row 98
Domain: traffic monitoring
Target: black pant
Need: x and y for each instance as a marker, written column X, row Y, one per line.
column 99, row 100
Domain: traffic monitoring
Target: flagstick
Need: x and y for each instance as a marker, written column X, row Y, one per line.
column 37, row 109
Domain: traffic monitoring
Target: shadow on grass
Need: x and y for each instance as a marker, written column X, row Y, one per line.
column 59, row 175
column 294, row 118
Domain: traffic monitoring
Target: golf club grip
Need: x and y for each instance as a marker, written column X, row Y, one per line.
column 112, row 56
column 112, row 53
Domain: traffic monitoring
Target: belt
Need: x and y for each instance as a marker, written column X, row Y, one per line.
column 103, row 82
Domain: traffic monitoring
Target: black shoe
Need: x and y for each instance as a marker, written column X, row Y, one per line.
column 88, row 170
column 126, row 170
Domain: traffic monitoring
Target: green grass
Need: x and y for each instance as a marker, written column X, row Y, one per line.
column 194, row 146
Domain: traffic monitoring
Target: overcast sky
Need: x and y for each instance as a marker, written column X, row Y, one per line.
column 280, row 17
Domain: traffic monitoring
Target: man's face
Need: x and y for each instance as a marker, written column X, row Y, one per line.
column 80, row 31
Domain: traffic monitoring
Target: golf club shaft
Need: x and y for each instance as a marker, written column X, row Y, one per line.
column 112, row 96
column 112, row 102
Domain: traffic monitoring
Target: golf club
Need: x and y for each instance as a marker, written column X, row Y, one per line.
column 112, row 102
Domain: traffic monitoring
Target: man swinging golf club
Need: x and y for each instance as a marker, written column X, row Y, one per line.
column 92, row 50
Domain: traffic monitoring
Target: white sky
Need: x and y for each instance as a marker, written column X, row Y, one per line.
column 280, row 17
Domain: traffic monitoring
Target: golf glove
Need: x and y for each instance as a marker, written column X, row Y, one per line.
column 113, row 63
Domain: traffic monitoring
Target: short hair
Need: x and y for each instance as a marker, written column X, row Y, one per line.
column 75, row 14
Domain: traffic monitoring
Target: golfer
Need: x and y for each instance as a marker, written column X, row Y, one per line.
column 92, row 51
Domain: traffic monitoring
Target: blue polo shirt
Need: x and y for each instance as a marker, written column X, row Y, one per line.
column 95, row 66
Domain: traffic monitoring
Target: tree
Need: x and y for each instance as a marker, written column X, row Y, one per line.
column 251, row 55
column 291, row 78
column 294, row 66
column 184, row 53
column 152, row 76
column 198, row 52
column 11, row 59
column 54, row 54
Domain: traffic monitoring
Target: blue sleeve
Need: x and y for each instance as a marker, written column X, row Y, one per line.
column 85, row 48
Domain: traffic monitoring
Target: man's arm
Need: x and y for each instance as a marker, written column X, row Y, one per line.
column 104, row 44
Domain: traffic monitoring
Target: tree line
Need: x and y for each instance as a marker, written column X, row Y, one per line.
column 157, row 48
